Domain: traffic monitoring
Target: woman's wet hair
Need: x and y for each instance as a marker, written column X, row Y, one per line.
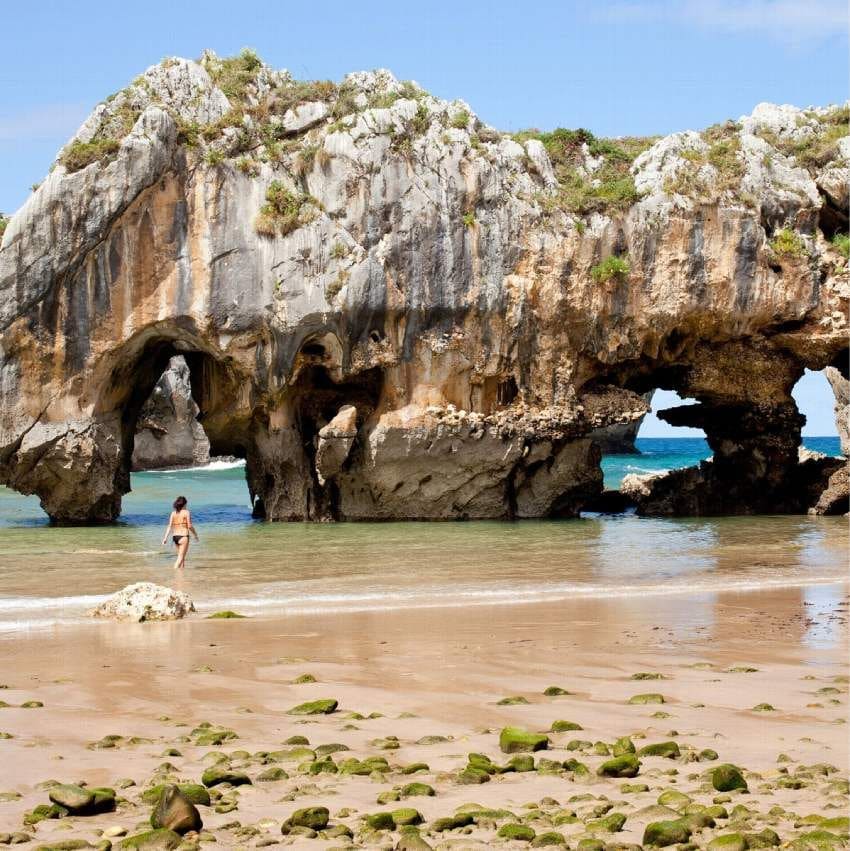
column 180, row 503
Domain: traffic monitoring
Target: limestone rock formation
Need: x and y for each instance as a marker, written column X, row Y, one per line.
column 335, row 442
column 168, row 433
column 486, row 303
column 841, row 390
column 145, row 601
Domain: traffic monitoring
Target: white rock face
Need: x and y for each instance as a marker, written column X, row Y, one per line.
column 335, row 442
column 145, row 601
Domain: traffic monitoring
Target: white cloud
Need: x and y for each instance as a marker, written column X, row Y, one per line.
column 790, row 21
column 50, row 121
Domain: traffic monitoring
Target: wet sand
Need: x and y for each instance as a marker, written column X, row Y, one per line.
column 440, row 672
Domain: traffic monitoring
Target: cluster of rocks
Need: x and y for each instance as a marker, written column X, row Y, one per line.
column 715, row 807
column 312, row 247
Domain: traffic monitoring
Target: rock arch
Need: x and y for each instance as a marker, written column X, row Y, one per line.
column 483, row 322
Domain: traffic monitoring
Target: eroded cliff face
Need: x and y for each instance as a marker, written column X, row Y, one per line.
column 168, row 433
column 485, row 304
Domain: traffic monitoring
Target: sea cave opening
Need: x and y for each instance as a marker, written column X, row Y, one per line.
column 180, row 429
column 651, row 445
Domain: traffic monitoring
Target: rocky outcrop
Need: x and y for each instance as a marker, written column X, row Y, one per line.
column 841, row 390
column 620, row 439
column 488, row 304
column 168, row 433
column 145, row 601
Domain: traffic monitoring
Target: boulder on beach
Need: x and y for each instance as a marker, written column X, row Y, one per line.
column 145, row 601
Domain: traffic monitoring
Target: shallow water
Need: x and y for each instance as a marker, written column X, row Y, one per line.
column 53, row 575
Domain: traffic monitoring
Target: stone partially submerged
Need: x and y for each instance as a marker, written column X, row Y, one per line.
column 145, row 601
column 491, row 306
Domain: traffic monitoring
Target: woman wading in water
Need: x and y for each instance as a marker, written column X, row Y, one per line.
column 179, row 526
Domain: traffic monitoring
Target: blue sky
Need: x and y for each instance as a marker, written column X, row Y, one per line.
column 617, row 68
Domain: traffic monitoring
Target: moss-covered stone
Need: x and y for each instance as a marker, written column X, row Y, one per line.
column 380, row 821
column 225, row 615
column 648, row 675
column 766, row 838
column 708, row 755
column 670, row 750
column 837, row 824
column 296, row 754
column 452, row 822
column 728, row 842
column 514, row 700
column 410, row 840
column 323, row 706
column 579, row 745
column 152, row 840
column 611, row 823
column 601, row 749
column 515, row 740
column 216, row 775
column 44, row 811
column 763, row 707
column 415, row 790
column 660, row 834
column 644, row 699
column 520, row 763
column 626, row 765
column 516, row 832
column 726, row 778
column 622, row 746
column 674, row 798
column 472, row 776
column 818, row 840
column 405, row 816
column 548, row 839
column 555, row 691
column 193, row 792
column 561, row 726
column 315, row 818
column 272, row 775
column 415, row 768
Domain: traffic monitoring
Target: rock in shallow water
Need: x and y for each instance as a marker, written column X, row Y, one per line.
column 145, row 601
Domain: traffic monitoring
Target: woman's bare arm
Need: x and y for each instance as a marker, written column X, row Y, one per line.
column 168, row 528
column 191, row 527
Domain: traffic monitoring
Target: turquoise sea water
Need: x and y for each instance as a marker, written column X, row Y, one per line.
column 51, row 575
column 668, row 453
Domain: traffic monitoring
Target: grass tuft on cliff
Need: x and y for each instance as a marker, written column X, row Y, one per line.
column 78, row 155
column 284, row 211
column 788, row 243
column 3, row 222
column 608, row 187
column 840, row 242
column 821, row 147
column 610, row 268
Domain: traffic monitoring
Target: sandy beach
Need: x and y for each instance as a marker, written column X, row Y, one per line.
column 427, row 686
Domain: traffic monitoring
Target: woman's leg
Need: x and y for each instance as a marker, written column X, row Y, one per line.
column 182, row 549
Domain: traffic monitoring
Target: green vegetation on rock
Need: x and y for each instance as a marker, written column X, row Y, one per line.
column 607, row 188
column 726, row 778
column 78, row 155
column 666, row 749
column 663, row 833
column 152, row 840
column 626, row 765
column 644, row 699
column 564, row 726
column 516, row 832
column 611, row 268
column 284, row 211
column 323, row 706
column 515, row 740
column 225, row 615
column 788, row 243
